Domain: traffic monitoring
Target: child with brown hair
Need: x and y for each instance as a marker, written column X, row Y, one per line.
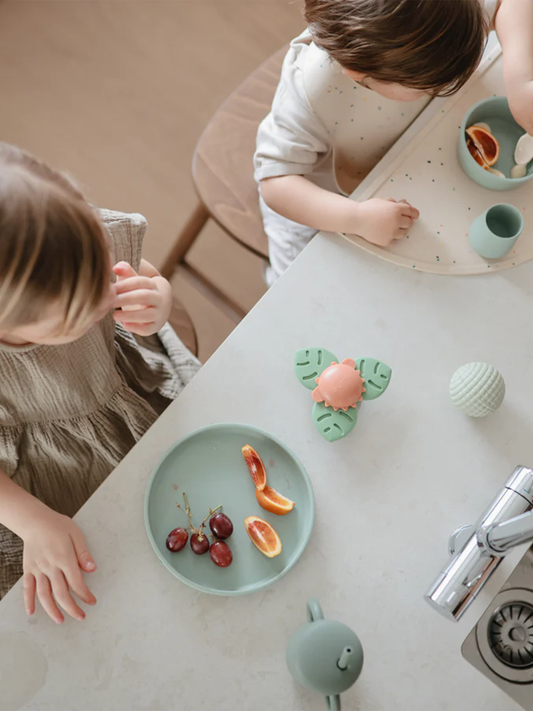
column 87, row 363
column 350, row 85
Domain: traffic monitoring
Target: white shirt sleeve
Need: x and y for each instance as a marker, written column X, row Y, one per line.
column 291, row 140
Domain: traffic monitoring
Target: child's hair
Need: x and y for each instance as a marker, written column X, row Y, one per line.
column 431, row 45
column 53, row 248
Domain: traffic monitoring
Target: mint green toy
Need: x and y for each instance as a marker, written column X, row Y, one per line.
column 339, row 387
column 477, row 389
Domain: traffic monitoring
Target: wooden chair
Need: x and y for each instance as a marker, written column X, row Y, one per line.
column 181, row 322
column 222, row 170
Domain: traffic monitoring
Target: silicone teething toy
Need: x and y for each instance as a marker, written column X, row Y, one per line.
column 338, row 387
column 477, row 389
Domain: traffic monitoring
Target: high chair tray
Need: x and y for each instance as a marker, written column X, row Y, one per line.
column 423, row 168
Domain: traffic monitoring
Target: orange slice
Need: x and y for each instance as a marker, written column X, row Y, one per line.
column 272, row 501
column 476, row 155
column 255, row 466
column 263, row 536
column 486, row 144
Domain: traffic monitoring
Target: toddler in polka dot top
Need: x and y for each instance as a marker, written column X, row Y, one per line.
column 350, row 85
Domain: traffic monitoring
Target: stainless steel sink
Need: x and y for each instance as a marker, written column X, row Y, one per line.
column 501, row 644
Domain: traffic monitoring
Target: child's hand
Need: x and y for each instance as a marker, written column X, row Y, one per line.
column 55, row 554
column 143, row 300
column 383, row 221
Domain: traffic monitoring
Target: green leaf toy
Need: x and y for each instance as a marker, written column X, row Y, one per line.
column 338, row 387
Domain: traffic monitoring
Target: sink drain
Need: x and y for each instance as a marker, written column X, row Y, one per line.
column 510, row 633
column 504, row 635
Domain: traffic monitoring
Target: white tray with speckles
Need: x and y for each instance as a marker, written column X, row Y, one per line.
column 423, row 168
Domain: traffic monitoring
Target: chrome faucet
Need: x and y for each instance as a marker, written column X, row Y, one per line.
column 478, row 550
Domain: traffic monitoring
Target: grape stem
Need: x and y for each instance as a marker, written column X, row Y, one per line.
column 188, row 511
column 199, row 530
column 202, row 525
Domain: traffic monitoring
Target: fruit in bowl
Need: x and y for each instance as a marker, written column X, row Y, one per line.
column 483, row 147
column 486, row 145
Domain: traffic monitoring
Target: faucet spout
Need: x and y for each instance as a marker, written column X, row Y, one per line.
column 499, row 538
column 504, row 524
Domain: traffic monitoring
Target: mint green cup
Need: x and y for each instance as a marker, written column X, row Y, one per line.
column 495, row 112
column 495, row 232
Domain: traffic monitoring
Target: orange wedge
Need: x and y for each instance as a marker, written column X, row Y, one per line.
column 263, row 536
column 486, row 144
column 255, row 467
column 272, row 501
column 476, row 155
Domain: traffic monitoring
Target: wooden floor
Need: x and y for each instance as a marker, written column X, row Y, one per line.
column 118, row 92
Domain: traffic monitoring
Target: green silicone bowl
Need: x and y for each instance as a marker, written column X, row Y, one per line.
column 496, row 113
column 209, row 467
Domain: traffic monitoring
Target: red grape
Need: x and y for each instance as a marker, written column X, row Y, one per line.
column 221, row 554
column 199, row 543
column 177, row 539
column 221, row 526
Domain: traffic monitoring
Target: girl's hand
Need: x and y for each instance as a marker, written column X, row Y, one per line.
column 143, row 301
column 55, row 554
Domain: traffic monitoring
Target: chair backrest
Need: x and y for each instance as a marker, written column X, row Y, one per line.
column 223, row 159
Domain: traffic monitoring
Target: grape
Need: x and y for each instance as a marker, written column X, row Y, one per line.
column 220, row 554
column 200, row 545
column 177, row 539
column 221, row 526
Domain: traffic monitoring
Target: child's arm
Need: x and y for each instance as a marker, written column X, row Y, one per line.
column 378, row 221
column 514, row 26
column 143, row 300
column 55, row 552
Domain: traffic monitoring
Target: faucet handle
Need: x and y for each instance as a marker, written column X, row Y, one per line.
column 459, row 538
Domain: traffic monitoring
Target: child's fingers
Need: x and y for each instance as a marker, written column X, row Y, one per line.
column 44, row 593
column 409, row 210
column 28, row 586
column 146, row 316
column 139, row 297
column 77, row 585
column 124, row 270
column 135, row 283
column 405, row 222
column 400, row 233
column 63, row 596
column 85, row 559
column 76, row 582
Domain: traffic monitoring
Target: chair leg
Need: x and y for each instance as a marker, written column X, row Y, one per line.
column 211, row 291
column 185, row 240
column 183, row 325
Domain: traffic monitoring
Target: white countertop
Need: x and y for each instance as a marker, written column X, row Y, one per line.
column 387, row 497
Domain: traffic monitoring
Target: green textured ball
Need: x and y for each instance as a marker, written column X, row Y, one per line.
column 477, row 389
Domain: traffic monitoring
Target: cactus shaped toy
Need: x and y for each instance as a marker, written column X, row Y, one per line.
column 338, row 387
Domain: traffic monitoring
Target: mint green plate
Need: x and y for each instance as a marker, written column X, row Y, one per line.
column 209, row 467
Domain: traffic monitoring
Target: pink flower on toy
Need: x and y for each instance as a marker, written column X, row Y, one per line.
column 340, row 386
